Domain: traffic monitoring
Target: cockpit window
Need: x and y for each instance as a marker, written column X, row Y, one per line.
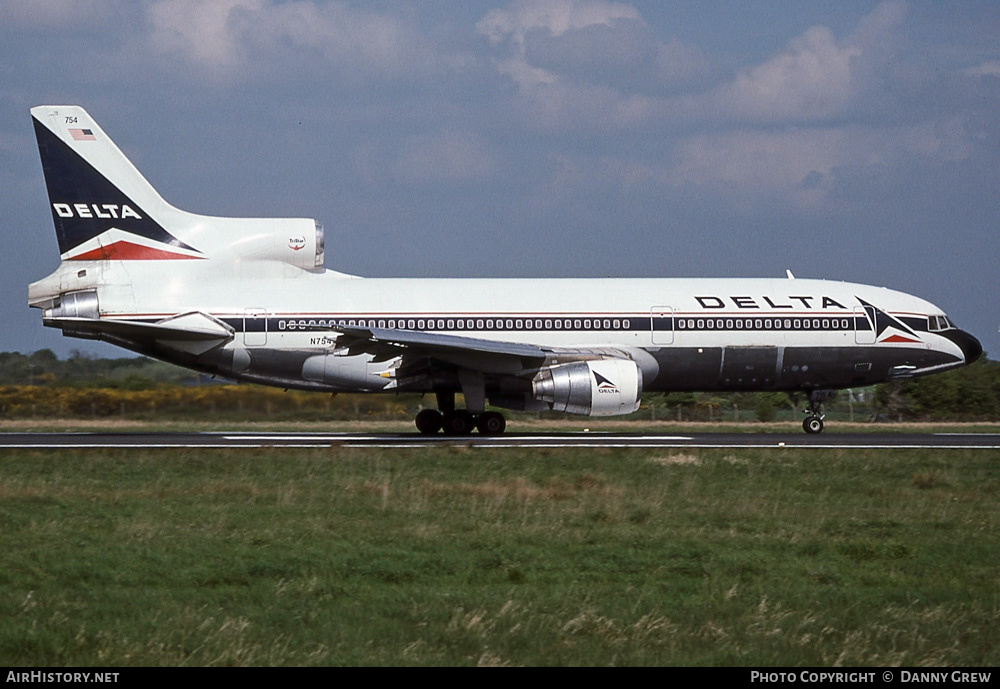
column 938, row 323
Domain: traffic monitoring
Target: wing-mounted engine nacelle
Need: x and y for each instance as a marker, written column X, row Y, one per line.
column 601, row 387
column 296, row 241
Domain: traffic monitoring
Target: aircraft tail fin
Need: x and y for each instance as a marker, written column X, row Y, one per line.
column 101, row 205
column 105, row 210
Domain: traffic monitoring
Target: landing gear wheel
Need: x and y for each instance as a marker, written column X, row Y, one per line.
column 814, row 414
column 813, row 424
column 491, row 423
column 429, row 421
column 458, row 422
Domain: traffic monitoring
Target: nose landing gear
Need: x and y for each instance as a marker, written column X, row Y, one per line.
column 813, row 422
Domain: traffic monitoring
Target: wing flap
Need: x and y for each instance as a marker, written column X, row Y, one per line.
column 427, row 349
column 431, row 343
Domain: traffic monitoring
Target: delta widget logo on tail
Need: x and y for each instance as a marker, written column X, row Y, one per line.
column 94, row 219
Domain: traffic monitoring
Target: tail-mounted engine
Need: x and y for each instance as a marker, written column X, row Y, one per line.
column 82, row 304
column 295, row 241
column 602, row 387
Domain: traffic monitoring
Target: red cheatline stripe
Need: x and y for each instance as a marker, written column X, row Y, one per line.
column 127, row 251
column 898, row 338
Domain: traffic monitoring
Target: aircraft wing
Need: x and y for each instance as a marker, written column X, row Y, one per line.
column 431, row 343
column 472, row 353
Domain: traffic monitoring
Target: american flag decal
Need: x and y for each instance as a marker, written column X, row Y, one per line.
column 82, row 134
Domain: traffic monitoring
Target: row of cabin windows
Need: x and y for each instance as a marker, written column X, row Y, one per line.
column 585, row 323
column 470, row 323
column 503, row 324
column 764, row 324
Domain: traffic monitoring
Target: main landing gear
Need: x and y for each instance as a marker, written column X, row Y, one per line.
column 813, row 422
column 458, row 421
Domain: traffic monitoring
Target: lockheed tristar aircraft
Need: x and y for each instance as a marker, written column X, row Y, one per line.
column 250, row 299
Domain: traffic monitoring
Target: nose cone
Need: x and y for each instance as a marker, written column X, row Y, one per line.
column 970, row 346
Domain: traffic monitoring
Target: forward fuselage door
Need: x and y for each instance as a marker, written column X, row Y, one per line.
column 864, row 328
column 662, row 324
column 255, row 327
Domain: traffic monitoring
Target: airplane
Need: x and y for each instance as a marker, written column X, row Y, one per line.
column 249, row 299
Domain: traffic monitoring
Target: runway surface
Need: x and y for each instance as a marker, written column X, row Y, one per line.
column 509, row 440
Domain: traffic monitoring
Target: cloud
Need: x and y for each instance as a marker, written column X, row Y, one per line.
column 798, row 169
column 512, row 26
column 587, row 42
column 798, row 163
column 804, row 166
column 811, row 79
column 597, row 64
column 554, row 16
column 802, row 123
column 205, row 33
column 989, row 68
column 816, row 77
column 587, row 64
column 244, row 39
column 58, row 15
column 788, row 129
column 444, row 157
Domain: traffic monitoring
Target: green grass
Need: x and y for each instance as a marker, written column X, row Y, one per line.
column 455, row 556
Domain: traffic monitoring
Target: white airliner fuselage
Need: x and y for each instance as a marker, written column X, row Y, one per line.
column 250, row 299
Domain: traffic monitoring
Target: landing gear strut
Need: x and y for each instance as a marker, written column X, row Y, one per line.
column 458, row 421
column 813, row 422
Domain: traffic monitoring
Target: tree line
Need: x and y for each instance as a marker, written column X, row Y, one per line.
column 41, row 385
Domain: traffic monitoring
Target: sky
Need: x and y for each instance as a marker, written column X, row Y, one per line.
column 855, row 141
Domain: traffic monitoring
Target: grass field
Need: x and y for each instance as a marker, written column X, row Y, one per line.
column 454, row 556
